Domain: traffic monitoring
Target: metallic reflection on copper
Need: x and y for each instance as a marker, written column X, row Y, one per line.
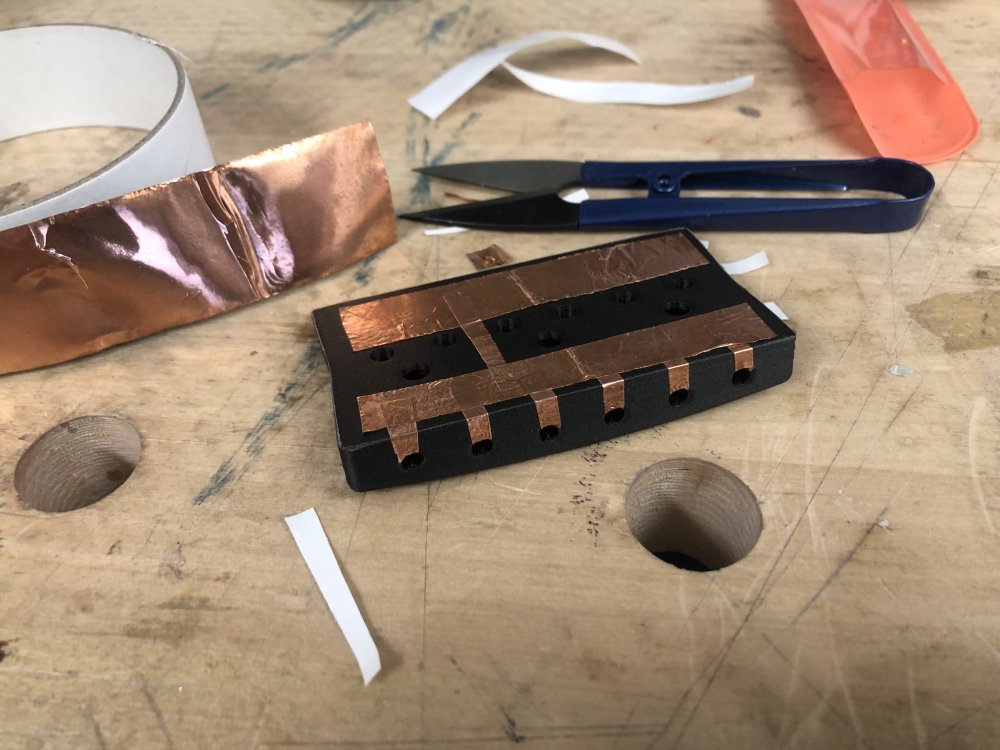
column 383, row 321
column 400, row 409
column 678, row 376
column 172, row 254
column 547, row 408
column 742, row 357
column 489, row 257
column 478, row 420
column 613, row 391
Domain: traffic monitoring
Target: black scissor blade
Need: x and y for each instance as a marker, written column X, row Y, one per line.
column 516, row 176
column 539, row 213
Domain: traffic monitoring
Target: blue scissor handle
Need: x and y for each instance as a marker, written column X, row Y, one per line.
column 665, row 206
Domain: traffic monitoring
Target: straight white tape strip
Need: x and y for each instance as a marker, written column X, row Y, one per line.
column 444, row 91
column 746, row 265
column 444, row 230
column 773, row 307
column 68, row 76
column 315, row 548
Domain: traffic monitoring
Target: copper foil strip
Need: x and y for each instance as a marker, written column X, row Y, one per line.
column 186, row 250
column 478, row 420
column 383, row 321
column 489, row 257
column 547, row 407
column 403, row 434
column 668, row 342
column 613, row 391
column 678, row 376
column 742, row 357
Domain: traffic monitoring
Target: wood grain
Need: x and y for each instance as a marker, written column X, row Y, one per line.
column 514, row 606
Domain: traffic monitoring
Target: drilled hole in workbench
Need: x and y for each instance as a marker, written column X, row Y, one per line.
column 693, row 514
column 77, row 463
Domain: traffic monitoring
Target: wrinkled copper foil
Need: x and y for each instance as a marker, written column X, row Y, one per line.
column 186, row 250
column 489, row 257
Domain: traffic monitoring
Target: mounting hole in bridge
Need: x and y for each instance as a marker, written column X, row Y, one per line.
column 77, row 463
column 693, row 514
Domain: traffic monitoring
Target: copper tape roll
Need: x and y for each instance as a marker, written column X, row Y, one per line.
column 400, row 409
column 424, row 311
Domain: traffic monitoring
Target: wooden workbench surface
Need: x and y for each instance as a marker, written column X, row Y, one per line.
column 515, row 606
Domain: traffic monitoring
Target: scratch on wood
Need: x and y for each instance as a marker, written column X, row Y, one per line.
column 510, row 728
column 253, row 443
column 840, row 566
column 159, row 714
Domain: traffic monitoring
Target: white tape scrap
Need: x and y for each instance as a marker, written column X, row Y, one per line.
column 68, row 76
column 315, row 548
column 444, row 230
column 901, row 371
column 440, row 94
column 773, row 307
column 746, row 265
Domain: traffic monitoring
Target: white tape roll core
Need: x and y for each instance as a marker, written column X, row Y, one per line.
column 68, row 76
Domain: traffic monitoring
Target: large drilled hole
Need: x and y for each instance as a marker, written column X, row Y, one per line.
column 693, row 514
column 549, row 339
column 742, row 376
column 416, row 371
column 77, row 463
column 678, row 397
column 482, row 447
column 569, row 310
column 382, row 354
column 411, row 461
column 445, row 338
column 548, row 432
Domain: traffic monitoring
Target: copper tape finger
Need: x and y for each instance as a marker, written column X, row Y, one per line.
column 742, row 357
column 483, row 341
column 678, row 376
column 613, row 391
column 547, row 407
column 401, row 421
column 478, row 420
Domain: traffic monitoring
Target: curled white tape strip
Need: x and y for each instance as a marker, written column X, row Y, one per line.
column 67, row 76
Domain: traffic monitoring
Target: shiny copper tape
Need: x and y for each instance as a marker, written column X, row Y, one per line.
column 669, row 342
column 489, row 257
column 678, row 376
column 613, row 391
column 742, row 357
column 482, row 339
column 399, row 418
column 440, row 308
column 547, row 407
column 478, row 420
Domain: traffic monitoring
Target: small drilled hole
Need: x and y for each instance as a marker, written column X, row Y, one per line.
column 445, row 338
column 507, row 325
column 615, row 416
column 411, row 461
column 549, row 432
column 677, row 308
column 548, row 339
column 742, row 376
column 482, row 447
column 693, row 514
column 624, row 296
column 678, row 397
column 568, row 310
column 416, row 371
column 382, row 354
column 77, row 463
column 684, row 283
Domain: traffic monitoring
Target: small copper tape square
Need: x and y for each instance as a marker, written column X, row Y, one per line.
column 742, row 356
column 613, row 390
column 547, row 406
column 489, row 257
column 478, row 420
column 678, row 376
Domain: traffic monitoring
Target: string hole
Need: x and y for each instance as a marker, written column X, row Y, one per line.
column 445, row 338
column 684, row 283
column 382, row 354
column 678, row 308
column 742, row 376
column 411, row 461
column 416, row 371
column 548, row 432
column 549, row 339
column 624, row 296
column 482, row 447
column 678, row 397
column 568, row 310
column 507, row 325
column 615, row 416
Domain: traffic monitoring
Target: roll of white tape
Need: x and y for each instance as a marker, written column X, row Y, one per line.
column 67, row 76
